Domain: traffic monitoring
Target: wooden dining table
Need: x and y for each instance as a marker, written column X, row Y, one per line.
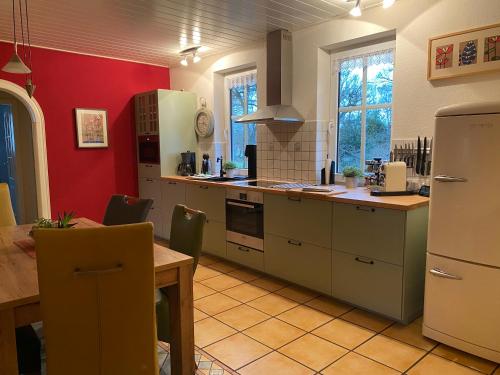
column 20, row 300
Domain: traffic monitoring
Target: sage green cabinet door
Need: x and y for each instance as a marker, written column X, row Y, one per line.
column 368, row 283
column 246, row 256
column 209, row 199
column 214, row 238
column 172, row 194
column 298, row 262
column 306, row 219
column 373, row 232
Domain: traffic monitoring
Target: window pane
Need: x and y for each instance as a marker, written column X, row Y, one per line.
column 350, row 83
column 252, row 98
column 349, row 140
column 237, row 101
column 238, row 144
column 378, row 133
column 379, row 79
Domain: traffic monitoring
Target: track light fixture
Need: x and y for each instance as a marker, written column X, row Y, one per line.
column 356, row 11
column 192, row 51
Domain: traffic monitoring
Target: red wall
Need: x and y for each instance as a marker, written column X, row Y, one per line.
column 82, row 180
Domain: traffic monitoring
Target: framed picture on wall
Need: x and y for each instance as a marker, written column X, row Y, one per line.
column 91, row 127
column 466, row 52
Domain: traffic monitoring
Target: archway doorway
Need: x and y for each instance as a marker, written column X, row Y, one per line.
column 28, row 110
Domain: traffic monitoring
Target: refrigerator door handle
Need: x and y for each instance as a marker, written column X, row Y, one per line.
column 444, row 178
column 440, row 273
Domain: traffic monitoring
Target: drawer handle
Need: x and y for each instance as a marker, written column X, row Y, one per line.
column 443, row 178
column 149, row 166
column 295, row 243
column 172, row 183
column 294, row 199
column 365, row 209
column 241, row 248
column 149, row 179
column 440, row 273
column 203, row 187
column 365, row 261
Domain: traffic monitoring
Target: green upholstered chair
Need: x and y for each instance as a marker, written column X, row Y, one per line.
column 123, row 209
column 186, row 236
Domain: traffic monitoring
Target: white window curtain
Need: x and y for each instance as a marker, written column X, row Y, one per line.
column 243, row 79
column 363, row 60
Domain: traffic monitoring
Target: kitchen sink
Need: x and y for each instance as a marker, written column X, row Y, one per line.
column 224, row 179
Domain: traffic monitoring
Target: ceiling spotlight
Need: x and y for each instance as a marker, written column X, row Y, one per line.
column 356, row 11
column 184, row 61
column 388, row 3
column 196, row 58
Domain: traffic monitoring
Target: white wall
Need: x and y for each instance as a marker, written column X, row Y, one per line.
column 206, row 79
column 415, row 98
column 415, row 21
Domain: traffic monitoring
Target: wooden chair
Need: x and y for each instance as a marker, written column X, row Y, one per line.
column 6, row 213
column 97, row 299
column 186, row 236
column 123, row 209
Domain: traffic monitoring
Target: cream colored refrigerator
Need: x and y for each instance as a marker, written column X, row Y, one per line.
column 462, row 290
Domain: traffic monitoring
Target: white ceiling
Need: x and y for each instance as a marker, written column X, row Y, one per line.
column 154, row 31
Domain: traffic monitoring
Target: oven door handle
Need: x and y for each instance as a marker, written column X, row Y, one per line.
column 240, row 204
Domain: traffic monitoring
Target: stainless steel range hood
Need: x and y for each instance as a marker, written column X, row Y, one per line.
column 279, row 107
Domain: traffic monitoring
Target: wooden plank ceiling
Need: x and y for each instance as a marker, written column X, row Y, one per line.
column 154, row 31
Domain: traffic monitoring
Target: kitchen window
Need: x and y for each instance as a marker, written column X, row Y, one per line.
column 242, row 99
column 363, row 81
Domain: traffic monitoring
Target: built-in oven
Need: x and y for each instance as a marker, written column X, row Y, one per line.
column 149, row 149
column 245, row 218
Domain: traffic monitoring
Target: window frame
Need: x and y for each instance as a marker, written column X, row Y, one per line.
column 227, row 110
column 334, row 98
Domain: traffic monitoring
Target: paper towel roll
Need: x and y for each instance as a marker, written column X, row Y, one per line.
column 328, row 166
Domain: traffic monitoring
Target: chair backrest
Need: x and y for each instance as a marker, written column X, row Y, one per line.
column 6, row 213
column 126, row 210
column 186, row 232
column 97, row 299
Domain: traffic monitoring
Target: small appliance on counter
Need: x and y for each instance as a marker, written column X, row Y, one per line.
column 251, row 154
column 206, row 165
column 328, row 173
column 187, row 167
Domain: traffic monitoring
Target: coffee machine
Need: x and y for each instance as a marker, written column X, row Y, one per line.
column 187, row 167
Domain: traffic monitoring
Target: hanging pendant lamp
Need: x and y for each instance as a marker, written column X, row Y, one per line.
column 15, row 63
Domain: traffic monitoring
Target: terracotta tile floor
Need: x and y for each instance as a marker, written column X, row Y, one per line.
column 256, row 324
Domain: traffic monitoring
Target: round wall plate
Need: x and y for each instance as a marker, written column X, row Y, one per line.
column 204, row 122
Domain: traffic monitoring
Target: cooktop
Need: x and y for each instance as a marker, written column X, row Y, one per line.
column 258, row 183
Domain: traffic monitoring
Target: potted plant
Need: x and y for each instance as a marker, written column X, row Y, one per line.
column 62, row 222
column 351, row 175
column 230, row 168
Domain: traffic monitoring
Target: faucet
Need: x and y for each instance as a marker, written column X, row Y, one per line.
column 221, row 160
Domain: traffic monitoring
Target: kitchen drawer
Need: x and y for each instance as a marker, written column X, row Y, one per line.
column 149, row 170
column 246, row 256
column 368, row 283
column 299, row 262
column 150, row 188
column 376, row 233
column 209, row 199
column 172, row 194
column 214, row 238
column 306, row 219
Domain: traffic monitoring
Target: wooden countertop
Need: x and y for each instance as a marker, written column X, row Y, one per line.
column 340, row 194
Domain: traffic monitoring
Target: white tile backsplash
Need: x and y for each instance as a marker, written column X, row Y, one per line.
column 292, row 152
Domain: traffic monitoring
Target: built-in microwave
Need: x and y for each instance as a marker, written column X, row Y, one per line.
column 149, row 149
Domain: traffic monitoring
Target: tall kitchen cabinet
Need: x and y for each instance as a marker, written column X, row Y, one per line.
column 167, row 116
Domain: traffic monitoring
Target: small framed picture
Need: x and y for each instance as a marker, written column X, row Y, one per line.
column 463, row 53
column 91, row 127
